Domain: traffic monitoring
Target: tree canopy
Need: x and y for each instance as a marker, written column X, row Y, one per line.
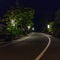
column 18, row 19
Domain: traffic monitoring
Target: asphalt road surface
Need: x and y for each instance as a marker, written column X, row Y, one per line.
column 53, row 52
column 24, row 50
column 30, row 48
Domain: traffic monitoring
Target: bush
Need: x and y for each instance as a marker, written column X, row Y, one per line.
column 56, row 29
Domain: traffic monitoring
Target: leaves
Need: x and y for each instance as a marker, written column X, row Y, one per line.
column 22, row 18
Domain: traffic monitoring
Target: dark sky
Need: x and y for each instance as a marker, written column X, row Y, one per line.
column 44, row 9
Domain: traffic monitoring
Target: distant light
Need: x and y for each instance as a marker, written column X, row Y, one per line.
column 48, row 26
column 33, row 28
column 29, row 27
column 13, row 22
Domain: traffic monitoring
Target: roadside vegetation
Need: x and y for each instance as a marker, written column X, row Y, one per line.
column 55, row 26
column 18, row 21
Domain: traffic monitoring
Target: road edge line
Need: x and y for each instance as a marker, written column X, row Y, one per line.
column 45, row 49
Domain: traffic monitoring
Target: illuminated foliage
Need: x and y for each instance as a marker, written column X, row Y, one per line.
column 22, row 18
column 51, row 27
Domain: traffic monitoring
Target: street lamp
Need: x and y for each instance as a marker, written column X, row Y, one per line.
column 33, row 28
column 13, row 22
column 48, row 26
column 29, row 27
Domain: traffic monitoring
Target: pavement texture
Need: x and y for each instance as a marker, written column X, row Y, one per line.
column 27, row 49
column 53, row 52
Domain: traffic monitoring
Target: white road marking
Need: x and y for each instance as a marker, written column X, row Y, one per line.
column 45, row 49
column 41, row 54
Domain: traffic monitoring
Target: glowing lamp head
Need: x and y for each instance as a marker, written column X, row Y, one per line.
column 13, row 22
column 29, row 27
column 33, row 28
column 48, row 26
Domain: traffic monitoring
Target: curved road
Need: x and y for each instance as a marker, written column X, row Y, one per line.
column 53, row 52
column 27, row 49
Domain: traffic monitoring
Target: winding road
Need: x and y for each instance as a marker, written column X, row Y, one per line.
column 35, row 46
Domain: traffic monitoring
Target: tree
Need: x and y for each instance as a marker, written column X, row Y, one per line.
column 55, row 26
column 52, row 24
column 18, row 19
column 57, row 16
column 28, row 15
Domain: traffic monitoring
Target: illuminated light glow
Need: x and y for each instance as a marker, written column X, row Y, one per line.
column 13, row 22
column 33, row 28
column 29, row 27
column 48, row 26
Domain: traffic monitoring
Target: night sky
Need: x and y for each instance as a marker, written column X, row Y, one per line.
column 44, row 9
